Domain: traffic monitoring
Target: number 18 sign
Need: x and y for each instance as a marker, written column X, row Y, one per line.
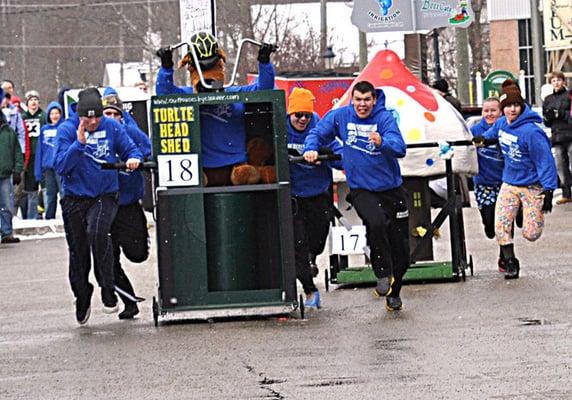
column 178, row 169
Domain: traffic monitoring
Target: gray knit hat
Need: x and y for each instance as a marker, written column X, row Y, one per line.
column 30, row 94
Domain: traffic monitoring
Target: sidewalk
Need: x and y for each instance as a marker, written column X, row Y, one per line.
column 33, row 229
column 29, row 229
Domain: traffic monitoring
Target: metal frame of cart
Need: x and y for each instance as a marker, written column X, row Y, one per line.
column 222, row 251
column 339, row 271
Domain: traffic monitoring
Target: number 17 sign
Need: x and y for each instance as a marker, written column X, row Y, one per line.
column 178, row 169
column 347, row 242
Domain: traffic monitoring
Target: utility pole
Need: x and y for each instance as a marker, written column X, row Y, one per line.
column 323, row 32
column 149, row 50
column 436, row 55
column 24, row 65
column 462, row 63
column 535, row 32
column 121, row 48
column 362, row 50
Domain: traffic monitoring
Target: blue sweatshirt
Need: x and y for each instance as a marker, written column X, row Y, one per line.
column 223, row 135
column 46, row 146
column 491, row 162
column 14, row 119
column 79, row 164
column 132, row 183
column 367, row 166
column 308, row 180
column 528, row 159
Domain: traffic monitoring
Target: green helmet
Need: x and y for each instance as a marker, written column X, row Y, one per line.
column 206, row 49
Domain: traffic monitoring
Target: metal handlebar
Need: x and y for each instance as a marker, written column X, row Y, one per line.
column 322, row 157
column 235, row 69
column 437, row 144
column 122, row 165
column 176, row 46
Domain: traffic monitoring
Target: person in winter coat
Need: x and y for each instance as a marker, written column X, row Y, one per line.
column 11, row 165
column 14, row 119
column 44, row 159
column 372, row 145
column 129, row 229
column 34, row 117
column 85, row 141
column 556, row 112
column 489, row 179
column 529, row 174
column 223, row 135
column 442, row 86
column 312, row 202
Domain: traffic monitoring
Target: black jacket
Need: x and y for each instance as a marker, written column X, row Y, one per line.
column 556, row 112
column 454, row 101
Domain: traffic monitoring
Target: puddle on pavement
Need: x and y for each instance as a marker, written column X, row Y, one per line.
column 391, row 344
column 532, row 322
column 334, row 382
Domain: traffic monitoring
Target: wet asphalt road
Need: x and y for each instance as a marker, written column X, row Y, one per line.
column 485, row 338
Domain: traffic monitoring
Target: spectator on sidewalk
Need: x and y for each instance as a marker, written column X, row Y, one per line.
column 34, row 117
column 556, row 112
column 14, row 119
column 442, row 87
column 11, row 165
column 8, row 87
column 44, row 160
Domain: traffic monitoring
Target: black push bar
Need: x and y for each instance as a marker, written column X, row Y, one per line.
column 321, row 157
column 122, row 165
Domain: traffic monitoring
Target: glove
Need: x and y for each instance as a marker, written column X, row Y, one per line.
column 325, row 150
column 166, row 56
column 16, row 178
column 478, row 141
column 294, row 152
column 264, row 52
column 549, row 115
column 547, row 204
column 481, row 141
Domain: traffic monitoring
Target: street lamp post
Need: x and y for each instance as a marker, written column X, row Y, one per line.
column 328, row 57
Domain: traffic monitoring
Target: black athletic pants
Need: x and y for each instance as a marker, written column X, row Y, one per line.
column 87, row 223
column 129, row 232
column 488, row 218
column 386, row 220
column 311, row 218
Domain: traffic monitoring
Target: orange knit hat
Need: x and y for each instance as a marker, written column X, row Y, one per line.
column 300, row 100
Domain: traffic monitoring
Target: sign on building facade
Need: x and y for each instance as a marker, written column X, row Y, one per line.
column 557, row 24
column 492, row 84
column 410, row 15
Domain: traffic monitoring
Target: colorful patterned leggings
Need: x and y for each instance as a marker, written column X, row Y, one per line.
column 509, row 200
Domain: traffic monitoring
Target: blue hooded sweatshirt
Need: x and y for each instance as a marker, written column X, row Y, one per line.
column 309, row 180
column 367, row 166
column 79, row 164
column 491, row 162
column 132, row 183
column 46, row 146
column 528, row 159
column 223, row 135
